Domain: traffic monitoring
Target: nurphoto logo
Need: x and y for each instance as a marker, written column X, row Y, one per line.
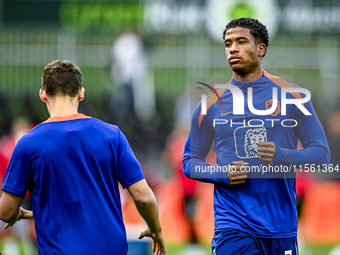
column 238, row 100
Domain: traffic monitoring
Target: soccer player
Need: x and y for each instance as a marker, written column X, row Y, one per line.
column 71, row 164
column 253, row 215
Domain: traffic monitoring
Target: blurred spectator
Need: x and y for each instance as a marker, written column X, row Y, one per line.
column 136, row 95
column 20, row 239
column 3, row 168
column 191, row 194
column 186, row 186
column 7, row 143
column 174, row 153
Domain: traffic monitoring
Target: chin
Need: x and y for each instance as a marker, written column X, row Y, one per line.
column 237, row 69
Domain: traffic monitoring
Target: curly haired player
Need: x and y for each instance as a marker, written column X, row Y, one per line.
column 255, row 213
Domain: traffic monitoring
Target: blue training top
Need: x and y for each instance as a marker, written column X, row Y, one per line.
column 265, row 205
column 72, row 166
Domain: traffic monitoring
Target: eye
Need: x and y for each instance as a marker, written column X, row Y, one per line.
column 242, row 42
column 227, row 44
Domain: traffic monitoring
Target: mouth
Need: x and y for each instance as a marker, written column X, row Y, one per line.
column 233, row 60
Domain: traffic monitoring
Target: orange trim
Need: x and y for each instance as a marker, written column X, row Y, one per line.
column 65, row 118
column 282, row 83
column 270, row 76
column 210, row 102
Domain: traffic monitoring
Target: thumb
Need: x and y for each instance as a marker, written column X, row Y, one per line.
column 141, row 236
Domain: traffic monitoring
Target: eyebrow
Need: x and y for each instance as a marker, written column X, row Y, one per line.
column 238, row 38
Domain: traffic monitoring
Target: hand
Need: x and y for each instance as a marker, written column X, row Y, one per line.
column 23, row 214
column 236, row 172
column 266, row 151
column 158, row 243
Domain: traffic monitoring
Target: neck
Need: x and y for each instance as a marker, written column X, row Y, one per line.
column 251, row 76
column 62, row 106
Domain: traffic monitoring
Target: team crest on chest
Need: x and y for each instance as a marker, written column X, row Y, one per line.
column 269, row 104
column 247, row 140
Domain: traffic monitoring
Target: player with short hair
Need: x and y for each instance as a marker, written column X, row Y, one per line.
column 254, row 213
column 72, row 164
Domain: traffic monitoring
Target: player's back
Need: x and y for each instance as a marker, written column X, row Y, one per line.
column 74, row 187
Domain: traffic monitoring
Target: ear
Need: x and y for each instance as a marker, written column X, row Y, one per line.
column 81, row 94
column 43, row 95
column 261, row 49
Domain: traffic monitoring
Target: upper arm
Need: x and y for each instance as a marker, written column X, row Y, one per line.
column 9, row 205
column 309, row 129
column 18, row 177
column 129, row 169
column 140, row 190
column 200, row 138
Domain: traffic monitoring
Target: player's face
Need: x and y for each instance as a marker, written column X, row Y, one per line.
column 242, row 51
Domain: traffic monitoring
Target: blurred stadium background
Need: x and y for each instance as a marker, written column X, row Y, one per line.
column 173, row 41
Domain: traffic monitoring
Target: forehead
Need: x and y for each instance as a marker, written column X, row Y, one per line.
column 236, row 32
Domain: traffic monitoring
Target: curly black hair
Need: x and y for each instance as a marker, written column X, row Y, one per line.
column 257, row 29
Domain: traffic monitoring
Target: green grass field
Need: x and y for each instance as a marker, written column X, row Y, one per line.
column 314, row 250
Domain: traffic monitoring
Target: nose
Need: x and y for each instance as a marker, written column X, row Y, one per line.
column 233, row 48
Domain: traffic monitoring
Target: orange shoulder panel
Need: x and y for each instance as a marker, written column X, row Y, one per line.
column 282, row 83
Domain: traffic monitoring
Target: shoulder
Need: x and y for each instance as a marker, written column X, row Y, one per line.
column 285, row 84
column 279, row 81
column 109, row 130
column 102, row 124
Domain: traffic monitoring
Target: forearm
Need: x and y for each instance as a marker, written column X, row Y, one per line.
column 317, row 155
column 148, row 209
column 10, row 207
column 199, row 170
column 311, row 134
column 10, row 217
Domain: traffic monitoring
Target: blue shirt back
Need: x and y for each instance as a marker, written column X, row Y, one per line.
column 72, row 168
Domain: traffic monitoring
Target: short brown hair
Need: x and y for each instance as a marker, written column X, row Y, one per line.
column 61, row 77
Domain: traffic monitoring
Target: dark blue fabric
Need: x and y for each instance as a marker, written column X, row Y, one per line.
column 233, row 242
column 265, row 205
column 72, row 169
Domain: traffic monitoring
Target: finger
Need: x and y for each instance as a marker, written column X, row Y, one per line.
column 237, row 175
column 239, row 182
column 265, row 154
column 267, row 159
column 240, row 162
column 153, row 245
column 266, row 144
column 162, row 251
column 265, row 149
column 271, row 151
column 141, row 236
column 27, row 214
column 235, row 168
column 242, row 177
